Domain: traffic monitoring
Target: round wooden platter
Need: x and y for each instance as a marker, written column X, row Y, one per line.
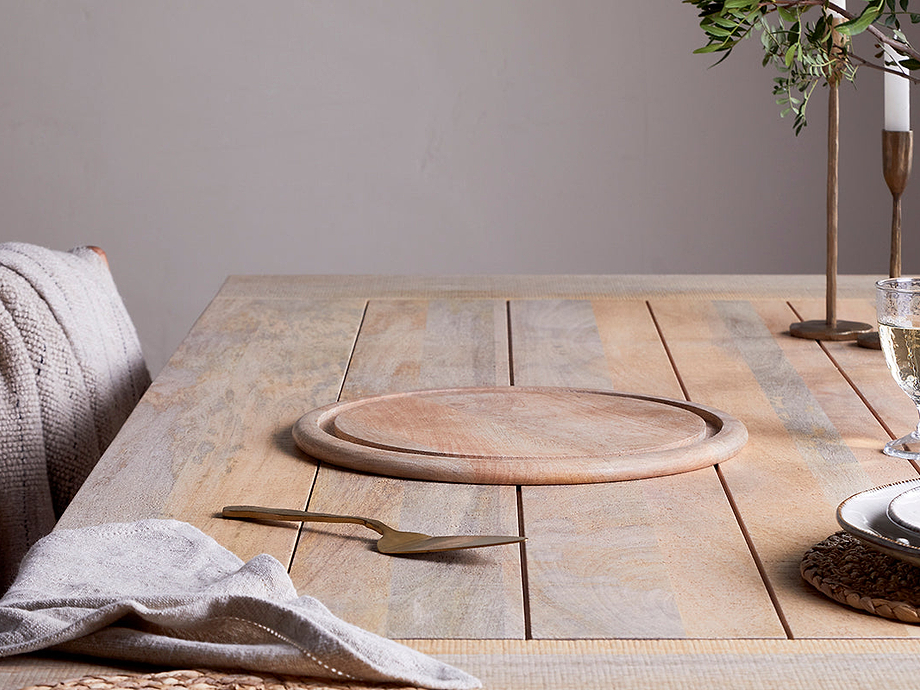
column 517, row 435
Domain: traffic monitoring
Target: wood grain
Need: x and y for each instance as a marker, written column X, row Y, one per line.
column 662, row 564
column 639, row 559
column 409, row 345
column 503, row 422
column 579, row 287
column 810, row 445
column 519, row 435
column 214, row 429
column 866, row 370
column 686, row 664
column 605, row 664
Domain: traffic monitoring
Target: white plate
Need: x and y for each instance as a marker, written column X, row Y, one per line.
column 865, row 516
column 904, row 510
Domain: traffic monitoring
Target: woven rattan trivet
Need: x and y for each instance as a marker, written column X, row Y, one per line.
column 848, row 571
column 209, row 680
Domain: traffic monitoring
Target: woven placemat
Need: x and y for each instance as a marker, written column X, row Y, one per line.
column 209, row 680
column 852, row 573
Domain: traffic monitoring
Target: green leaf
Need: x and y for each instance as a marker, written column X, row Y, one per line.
column 724, row 22
column 858, row 25
column 790, row 55
column 869, row 14
column 715, row 47
column 718, row 31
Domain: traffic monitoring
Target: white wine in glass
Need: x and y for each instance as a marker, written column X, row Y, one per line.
column 898, row 305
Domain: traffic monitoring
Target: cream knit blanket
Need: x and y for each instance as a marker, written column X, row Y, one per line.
column 71, row 370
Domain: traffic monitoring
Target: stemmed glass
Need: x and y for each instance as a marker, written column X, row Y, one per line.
column 898, row 305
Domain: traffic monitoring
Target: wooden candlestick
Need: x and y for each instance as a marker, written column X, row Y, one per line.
column 897, row 160
column 830, row 328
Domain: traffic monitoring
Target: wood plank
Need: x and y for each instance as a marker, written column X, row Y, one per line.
column 622, row 559
column 685, row 664
column 812, row 442
column 600, row 287
column 866, row 368
column 410, row 345
column 604, row 664
column 215, row 427
column 416, row 344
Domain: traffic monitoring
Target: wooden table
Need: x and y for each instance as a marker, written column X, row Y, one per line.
column 685, row 581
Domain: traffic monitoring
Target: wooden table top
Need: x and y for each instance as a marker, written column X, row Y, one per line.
column 690, row 580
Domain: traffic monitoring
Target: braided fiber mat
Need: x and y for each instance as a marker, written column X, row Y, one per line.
column 852, row 573
column 209, row 680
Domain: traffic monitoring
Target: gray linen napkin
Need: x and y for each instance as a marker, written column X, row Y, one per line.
column 163, row 592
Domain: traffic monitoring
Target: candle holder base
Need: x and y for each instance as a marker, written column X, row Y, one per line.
column 869, row 340
column 822, row 330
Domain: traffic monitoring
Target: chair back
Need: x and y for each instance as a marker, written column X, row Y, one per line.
column 71, row 371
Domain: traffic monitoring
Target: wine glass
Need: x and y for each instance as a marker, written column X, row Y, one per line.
column 898, row 305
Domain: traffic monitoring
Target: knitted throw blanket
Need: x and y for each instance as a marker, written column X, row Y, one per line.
column 71, row 370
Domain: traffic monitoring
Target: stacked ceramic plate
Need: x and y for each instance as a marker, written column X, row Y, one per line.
column 887, row 518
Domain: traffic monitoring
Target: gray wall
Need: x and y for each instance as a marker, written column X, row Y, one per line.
column 192, row 139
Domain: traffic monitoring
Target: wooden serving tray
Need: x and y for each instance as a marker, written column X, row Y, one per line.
column 511, row 435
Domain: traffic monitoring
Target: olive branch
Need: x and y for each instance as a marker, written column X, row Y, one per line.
column 809, row 48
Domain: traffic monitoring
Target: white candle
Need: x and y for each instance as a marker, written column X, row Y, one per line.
column 897, row 95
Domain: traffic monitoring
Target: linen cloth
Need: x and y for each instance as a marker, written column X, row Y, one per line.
column 71, row 370
column 163, row 592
